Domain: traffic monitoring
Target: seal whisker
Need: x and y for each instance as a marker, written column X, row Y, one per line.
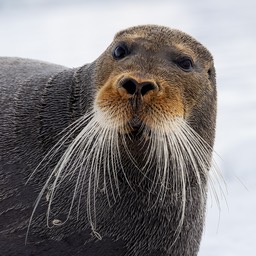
column 180, row 174
column 110, row 164
column 82, row 153
column 65, row 169
column 183, row 152
column 203, row 152
column 72, row 128
column 75, row 126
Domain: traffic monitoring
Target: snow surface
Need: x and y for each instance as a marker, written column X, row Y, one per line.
column 75, row 32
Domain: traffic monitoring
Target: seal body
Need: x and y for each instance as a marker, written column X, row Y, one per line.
column 111, row 158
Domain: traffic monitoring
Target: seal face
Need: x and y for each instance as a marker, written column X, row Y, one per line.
column 154, row 75
column 123, row 151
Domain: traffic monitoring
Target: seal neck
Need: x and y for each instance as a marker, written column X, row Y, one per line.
column 82, row 91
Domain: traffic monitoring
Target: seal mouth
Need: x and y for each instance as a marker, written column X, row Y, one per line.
column 136, row 125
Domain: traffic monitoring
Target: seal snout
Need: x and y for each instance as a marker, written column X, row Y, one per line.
column 135, row 87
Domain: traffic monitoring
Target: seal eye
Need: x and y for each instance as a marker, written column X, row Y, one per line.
column 185, row 64
column 120, row 52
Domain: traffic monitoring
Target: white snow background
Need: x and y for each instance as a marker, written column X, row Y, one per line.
column 76, row 32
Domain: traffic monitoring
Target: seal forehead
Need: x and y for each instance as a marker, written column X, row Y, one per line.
column 163, row 36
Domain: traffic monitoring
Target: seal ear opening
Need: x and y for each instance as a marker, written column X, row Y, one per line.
column 211, row 74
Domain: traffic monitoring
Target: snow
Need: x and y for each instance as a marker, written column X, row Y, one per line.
column 75, row 32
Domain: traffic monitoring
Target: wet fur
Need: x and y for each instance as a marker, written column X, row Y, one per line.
column 68, row 159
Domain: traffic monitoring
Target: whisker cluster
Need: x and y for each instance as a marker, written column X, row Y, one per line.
column 181, row 160
column 94, row 152
column 176, row 159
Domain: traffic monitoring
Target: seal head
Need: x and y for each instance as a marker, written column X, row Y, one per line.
column 150, row 75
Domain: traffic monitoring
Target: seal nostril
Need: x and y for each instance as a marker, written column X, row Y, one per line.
column 130, row 86
column 146, row 87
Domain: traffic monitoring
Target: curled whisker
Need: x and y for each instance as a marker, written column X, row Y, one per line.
column 92, row 155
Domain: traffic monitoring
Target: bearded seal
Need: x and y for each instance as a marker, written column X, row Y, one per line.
column 111, row 158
